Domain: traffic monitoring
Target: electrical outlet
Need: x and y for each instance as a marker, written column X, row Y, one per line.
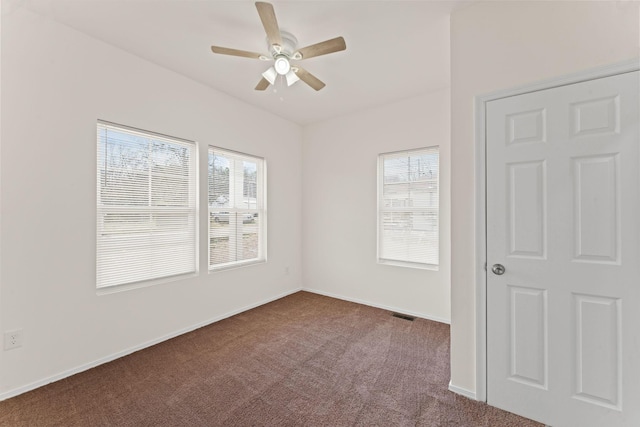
column 13, row 339
column 286, row 270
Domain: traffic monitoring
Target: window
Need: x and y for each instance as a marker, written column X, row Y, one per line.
column 237, row 214
column 408, row 213
column 146, row 213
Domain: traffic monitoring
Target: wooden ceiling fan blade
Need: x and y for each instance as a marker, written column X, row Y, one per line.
column 309, row 78
column 235, row 52
column 262, row 84
column 323, row 48
column 269, row 22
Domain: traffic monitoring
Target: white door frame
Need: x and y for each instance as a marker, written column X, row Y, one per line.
column 480, row 195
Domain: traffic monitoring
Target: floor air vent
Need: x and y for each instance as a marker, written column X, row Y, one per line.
column 404, row 316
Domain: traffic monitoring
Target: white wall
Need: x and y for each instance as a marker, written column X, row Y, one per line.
column 55, row 84
column 498, row 45
column 339, row 205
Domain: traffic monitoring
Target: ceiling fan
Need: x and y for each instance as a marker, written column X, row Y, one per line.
column 282, row 50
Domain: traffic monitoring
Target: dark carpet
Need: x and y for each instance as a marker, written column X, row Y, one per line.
column 303, row 360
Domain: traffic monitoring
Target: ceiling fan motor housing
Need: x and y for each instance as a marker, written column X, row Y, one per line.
column 288, row 47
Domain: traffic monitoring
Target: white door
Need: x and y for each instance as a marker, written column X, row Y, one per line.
column 563, row 215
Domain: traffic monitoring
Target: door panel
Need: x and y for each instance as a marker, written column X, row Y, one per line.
column 528, row 336
column 527, row 214
column 599, row 348
column 563, row 208
column 596, row 206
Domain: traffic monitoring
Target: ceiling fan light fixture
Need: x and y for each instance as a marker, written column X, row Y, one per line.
column 270, row 75
column 282, row 65
column 291, row 78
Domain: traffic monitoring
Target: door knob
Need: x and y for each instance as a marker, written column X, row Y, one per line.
column 498, row 269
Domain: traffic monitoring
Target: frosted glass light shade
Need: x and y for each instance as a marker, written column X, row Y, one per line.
column 291, row 78
column 270, row 75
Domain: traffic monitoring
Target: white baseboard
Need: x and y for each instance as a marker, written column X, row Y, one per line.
column 462, row 391
column 382, row 306
column 23, row 389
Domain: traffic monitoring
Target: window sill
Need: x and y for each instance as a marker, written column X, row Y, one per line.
column 235, row 265
column 414, row 265
column 144, row 284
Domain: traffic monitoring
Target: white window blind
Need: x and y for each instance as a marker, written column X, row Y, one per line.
column 146, row 212
column 237, row 214
column 408, row 208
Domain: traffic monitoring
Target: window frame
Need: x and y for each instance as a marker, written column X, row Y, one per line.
column 381, row 210
column 191, row 211
column 260, row 209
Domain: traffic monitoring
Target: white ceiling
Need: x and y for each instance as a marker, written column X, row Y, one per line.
column 395, row 49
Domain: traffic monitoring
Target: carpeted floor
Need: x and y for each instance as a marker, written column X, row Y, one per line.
column 304, row 360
